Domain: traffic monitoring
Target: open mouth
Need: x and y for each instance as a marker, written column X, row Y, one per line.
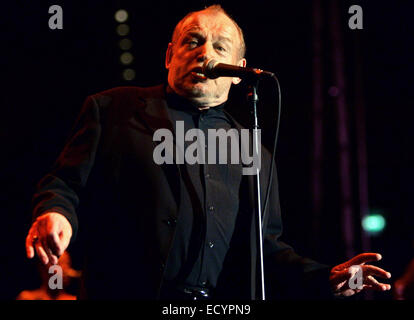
column 198, row 74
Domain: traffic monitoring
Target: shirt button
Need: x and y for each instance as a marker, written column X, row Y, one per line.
column 211, row 244
column 211, row 208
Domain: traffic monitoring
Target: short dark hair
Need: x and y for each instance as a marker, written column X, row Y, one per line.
column 216, row 8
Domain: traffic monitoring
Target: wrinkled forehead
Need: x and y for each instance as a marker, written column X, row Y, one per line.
column 216, row 23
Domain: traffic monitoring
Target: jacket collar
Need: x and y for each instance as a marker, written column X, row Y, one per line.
column 154, row 112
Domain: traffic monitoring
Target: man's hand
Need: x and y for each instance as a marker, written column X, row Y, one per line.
column 341, row 274
column 50, row 236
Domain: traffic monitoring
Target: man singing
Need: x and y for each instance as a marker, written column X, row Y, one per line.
column 173, row 231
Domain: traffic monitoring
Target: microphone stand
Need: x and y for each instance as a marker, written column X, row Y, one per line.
column 252, row 98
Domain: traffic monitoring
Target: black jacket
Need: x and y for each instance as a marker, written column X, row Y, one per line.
column 129, row 208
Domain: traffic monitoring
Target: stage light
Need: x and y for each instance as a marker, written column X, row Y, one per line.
column 122, row 29
column 126, row 58
column 121, row 16
column 373, row 223
column 125, row 44
column 128, row 74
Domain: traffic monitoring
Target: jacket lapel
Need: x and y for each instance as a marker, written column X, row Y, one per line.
column 153, row 114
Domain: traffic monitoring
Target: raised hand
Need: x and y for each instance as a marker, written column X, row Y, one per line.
column 341, row 274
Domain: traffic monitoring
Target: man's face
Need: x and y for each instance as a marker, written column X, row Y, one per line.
column 203, row 36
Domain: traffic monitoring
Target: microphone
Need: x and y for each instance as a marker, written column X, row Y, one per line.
column 213, row 69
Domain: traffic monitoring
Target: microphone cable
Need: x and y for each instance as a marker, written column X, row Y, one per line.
column 273, row 155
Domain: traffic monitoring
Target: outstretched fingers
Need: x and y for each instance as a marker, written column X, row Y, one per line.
column 370, row 270
column 374, row 284
column 363, row 258
column 367, row 273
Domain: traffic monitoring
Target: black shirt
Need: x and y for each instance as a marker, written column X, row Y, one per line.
column 209, row 202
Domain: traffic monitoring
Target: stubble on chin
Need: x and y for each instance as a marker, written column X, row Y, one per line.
column 192, row 91
column 200, row 94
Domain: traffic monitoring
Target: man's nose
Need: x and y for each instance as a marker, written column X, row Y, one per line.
column 205, row 52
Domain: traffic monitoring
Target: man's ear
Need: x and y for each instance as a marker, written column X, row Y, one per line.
column 242, row 63
column 168, row 55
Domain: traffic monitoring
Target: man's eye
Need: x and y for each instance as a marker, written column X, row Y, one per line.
column 221, row 48
column 192, row 43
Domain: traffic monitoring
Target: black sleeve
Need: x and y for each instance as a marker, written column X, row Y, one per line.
column 288, row 274
column 59, row 190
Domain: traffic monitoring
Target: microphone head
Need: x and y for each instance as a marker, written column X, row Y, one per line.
column 208, row 69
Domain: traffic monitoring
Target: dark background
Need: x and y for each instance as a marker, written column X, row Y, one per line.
column 46, row 75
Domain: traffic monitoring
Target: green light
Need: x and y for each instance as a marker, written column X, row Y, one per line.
column 373, row 223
